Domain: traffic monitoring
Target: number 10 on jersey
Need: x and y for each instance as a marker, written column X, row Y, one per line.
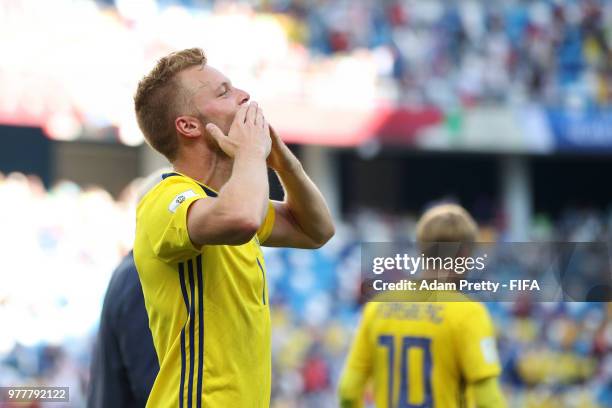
column 408, row 344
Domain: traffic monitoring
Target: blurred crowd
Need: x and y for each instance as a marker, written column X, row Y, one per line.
column 60, row 247
column 470, row 52
column 438, row 54
column 60, row 257
column 449, row 52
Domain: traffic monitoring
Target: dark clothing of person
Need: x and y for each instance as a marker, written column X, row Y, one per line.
column 124, row 364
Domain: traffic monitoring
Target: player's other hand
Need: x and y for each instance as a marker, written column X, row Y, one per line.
column 280, row 158
column 249, row 133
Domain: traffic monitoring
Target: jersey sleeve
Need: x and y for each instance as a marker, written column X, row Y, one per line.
column 266, row 227
column 163, row 215
column 475, row 335
column 358, row 365
column 487, row 393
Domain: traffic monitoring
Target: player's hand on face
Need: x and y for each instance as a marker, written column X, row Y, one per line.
column 249, row 132
column 258, row 121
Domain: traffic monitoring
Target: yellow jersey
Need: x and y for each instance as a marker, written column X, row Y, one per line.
column 423, row 354
column 208, row 307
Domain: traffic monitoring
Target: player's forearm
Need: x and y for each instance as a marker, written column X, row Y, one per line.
column 306, row 204
column 350, row 390
column 246, row 193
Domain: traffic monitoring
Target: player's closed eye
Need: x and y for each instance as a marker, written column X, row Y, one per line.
column 225, row 91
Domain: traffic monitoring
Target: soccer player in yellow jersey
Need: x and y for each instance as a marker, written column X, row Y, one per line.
column 199, row 231
column 426, row 354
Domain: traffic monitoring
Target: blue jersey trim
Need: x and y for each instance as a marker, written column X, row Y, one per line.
column 191, row 334
column 200, row 330
column 209, row 192
column 183, row 356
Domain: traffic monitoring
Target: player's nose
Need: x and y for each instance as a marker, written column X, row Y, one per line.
column 243, row 96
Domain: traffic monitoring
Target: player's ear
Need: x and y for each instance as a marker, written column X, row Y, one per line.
column 188, row 126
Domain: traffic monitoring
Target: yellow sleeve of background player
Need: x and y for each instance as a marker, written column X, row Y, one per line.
column 487, row 394
column 266, row 227
column 475, row 335
column 162, row 214
column 358, row 365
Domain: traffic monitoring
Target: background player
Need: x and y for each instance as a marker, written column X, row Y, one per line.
column 426, row 354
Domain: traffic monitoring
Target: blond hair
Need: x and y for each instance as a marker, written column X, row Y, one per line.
column 446, row 223
column 159, row 99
